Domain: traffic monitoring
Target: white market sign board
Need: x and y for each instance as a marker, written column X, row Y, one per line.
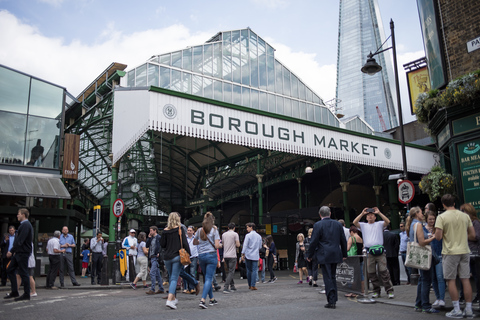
column 137, row 111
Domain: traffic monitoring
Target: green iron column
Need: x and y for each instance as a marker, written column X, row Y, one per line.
column 260, row 198
column 299, row 180
column 205, row 197
column 251, row 206
column 346, row 206
column 113, row 197
column 377, row 189
column 394, row 204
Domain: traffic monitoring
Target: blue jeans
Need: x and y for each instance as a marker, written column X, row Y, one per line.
column 208, row 264
column 173, row 267
column 408, row 270
column 438, row 282
column 252, row 268
column 423, row 290
column 155, row 275
column 190, row 269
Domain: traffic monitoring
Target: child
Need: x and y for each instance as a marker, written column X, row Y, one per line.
column 85, row 259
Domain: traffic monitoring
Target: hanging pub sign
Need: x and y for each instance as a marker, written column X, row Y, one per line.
column 469, row 158
column 71, row 152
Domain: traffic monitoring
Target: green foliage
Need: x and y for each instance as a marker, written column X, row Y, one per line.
column 437, row 183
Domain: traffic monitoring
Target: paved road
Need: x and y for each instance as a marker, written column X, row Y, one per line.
column 281, row 300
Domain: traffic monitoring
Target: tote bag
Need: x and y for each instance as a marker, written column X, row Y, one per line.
column 418, row 257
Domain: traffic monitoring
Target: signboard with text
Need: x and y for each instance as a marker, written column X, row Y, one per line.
column 71, row 152
column 469, row 158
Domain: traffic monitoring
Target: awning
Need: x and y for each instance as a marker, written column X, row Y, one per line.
column 32, row 185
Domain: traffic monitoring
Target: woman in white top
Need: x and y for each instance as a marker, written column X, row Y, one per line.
column 142, row 261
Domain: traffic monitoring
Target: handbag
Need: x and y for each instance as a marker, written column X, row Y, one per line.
column 184, row 256
column 353, row 248
column 418, row 257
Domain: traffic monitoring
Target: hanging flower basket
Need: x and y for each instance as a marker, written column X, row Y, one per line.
column 437, row 183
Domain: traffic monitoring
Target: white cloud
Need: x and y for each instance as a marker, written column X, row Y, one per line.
column 55, row 3
column 272, row 4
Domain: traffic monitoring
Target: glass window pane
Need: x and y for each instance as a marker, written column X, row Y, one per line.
column 208, row 59
column 12, row 130
column 41, row 146
column 45, row 100
column 310, row 113
column 177, row 59
column 278, row 77
column 280, row 105
column 187, row 59
column 197, row 85
column 294, row 81
column 217, row 92
column 198, row 59
column 324, row 116
column 272, row 106
column 165, row 77
column 286, row 81
column 227, row 92
column 318, row 114
column 187, row 82
column 237, row 95
column 176, row 80
column 246, row 97
column 254, row 99
column 303, row 111
column 227, row 56
column 14, row 90
column 295, row 109
column 217, row 60
column 263, row 102
column 153, row 76
column 253, row 60
column 309, row 95
column 287, row 108
column 236, row 65
column 301, row 90
column 262, row 64
column 141, row 76
column 165, row 59
column 208, row 88
column 271, row 72
column 245, row 57
column 131, row 78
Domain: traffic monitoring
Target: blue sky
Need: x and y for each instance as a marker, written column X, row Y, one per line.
column 70, row 42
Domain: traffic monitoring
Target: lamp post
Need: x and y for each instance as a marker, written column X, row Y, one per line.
column 371, row 67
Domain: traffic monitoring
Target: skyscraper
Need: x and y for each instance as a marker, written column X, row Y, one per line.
column 360, row 32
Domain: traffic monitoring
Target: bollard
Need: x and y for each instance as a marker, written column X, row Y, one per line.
column 104, row 276
column 365, row 298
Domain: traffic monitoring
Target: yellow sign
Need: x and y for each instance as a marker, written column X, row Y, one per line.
column 268, row 229
column 418, row 82
column 123, row 258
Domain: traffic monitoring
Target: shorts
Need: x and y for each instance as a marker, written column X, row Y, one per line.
column 456, row 264
column 84, row 265
column 31, row 272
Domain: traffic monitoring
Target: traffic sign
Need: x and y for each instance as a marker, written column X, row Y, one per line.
column 406, row 191
column 118, row 208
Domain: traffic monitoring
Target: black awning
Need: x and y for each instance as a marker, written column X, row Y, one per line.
column 32, row 185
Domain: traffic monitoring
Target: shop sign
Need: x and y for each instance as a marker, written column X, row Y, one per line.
column 469, row 158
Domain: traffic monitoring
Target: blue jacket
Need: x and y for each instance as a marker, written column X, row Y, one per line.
column 328, row 242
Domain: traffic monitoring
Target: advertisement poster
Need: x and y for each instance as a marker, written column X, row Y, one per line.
column 418, row 82
column 469, row 156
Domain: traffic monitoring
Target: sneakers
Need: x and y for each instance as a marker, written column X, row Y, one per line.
column 226, row 291
column 391, row 295
column 375, row 295
column 33, row 295
column 264, row 281
column 468, row 313
column 431, row 310
column 438, row 303
column 202, row 305
column 233, row 288
column 133, row 285
column 417, row 309
column 455, row 314
column 300, row 282
column 212, row 302
column 171, row 304
column 315, row 285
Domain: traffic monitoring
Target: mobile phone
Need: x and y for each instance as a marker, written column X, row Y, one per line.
column 370, row 210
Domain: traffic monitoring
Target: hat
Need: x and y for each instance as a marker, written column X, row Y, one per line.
column 133, row 230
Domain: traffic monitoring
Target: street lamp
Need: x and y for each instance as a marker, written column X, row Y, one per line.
column 371, row 67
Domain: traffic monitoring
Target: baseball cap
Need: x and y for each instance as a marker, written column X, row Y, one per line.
column 133, row 230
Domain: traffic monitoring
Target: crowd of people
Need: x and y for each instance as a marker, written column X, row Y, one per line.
column 453, row 235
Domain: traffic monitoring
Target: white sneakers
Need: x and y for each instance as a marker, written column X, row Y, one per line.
column 172, row 304
column 438, row 303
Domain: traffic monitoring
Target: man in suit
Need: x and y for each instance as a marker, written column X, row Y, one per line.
column 6, row 245
column 329, row 246
column 391, row 242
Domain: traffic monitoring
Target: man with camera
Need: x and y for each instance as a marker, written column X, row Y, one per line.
column 373, row 241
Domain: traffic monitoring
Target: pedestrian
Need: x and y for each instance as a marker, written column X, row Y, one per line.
column 6, row 246
column 391, row 243
column 373, row 239
column 231, row 242
column 272, row 258
column 329, row 245
column 250, row 254
column 172, row 240
column 300, row 257
column 96, row 245
column 54, row 255
column 18, row 255
column 415, row 228
column 312, row 266
column 142, row 261
column 85, row 254
column 474, row 248
column 354, row 248
column 438, row 282
column 208, row 241
column 192, row 267
column 456, row 228
column 130, row 243
column 403, row 249
column 154, row 249
column 68, row 242
column 261, row 262
column 31, row 273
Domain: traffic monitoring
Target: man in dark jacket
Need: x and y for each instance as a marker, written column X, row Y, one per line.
column 391, row 242
column 5, row 246
column 19, row 254
column 153, row 245
column 329, row 246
